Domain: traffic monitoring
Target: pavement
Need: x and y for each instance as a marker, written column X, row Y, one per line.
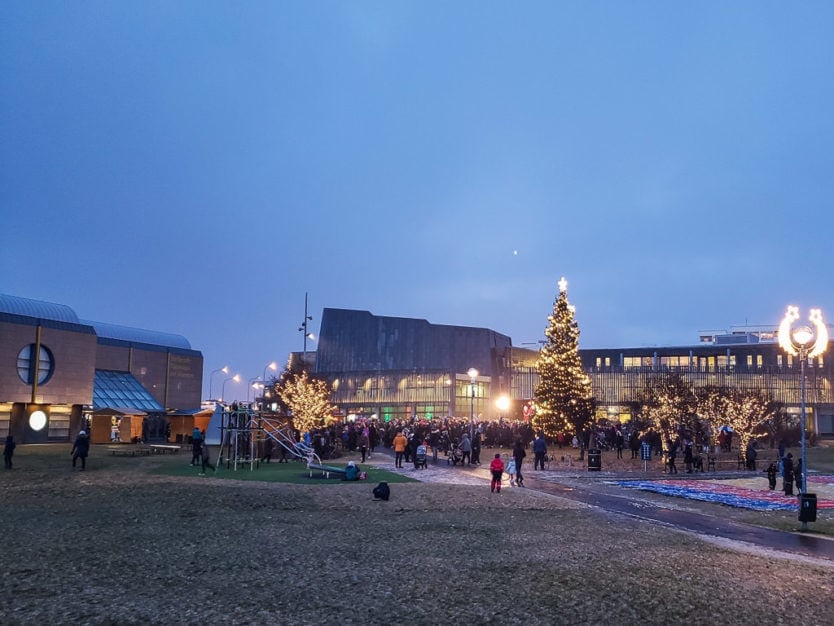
column 614, row 491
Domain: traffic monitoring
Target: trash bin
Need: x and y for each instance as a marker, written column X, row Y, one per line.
column 807, row 507
column 594, row 460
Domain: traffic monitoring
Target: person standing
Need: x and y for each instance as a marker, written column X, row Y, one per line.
column 797, row 476
column 80, row 449
column 196, row 444
column 8, row 451
column 539, row 451
column 673, row 453
column 619, row 442
column 518, row 457
column 476, row 447
column 787, row 474
column 400, row 443
column 688, row 458
column 496, row 467
column 466, row 450
column 362, row 443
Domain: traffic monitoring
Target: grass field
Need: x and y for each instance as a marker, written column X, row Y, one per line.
column 146, row 540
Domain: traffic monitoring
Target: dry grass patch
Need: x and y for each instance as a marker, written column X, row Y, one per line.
column 118, row 544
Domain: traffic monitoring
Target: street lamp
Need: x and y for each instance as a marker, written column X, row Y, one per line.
column 224, row 369
column 473, row 374
column 803, row 342
column 271, row 366
column 303, row 329
column 235, row 378
column 254, row 384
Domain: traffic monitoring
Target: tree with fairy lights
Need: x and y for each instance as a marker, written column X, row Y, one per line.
column 306, row 399
column 564, row 400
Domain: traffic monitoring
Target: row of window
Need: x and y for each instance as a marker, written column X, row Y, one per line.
column 702, row 362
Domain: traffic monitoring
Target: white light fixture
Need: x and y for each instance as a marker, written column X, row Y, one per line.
column 37, row 420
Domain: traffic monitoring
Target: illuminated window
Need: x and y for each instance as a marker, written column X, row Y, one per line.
column 779, row 360
column 759, row 360
column 749, row 360
column 31, row 367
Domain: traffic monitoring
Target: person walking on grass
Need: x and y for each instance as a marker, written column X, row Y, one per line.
column 497, row 469
column 80, row 449
column 8, row 451
column 205, row 459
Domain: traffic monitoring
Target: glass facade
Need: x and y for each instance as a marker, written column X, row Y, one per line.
column 120, row 389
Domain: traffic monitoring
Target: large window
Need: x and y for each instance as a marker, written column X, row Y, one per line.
column 35, row 365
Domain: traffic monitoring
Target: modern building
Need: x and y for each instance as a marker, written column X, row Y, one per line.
column 743, row 358
column 393, row 367
column 59, row 372
column 401, row 368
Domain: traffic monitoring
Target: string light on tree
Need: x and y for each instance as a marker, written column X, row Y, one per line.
column 563, row 396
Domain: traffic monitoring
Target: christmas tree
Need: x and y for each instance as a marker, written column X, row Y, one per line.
column 564, row 400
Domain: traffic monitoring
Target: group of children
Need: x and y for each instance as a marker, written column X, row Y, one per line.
column 497, row 469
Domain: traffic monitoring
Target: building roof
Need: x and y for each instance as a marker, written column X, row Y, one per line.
column 15, row 305
column 139, row 335
column 119, row 390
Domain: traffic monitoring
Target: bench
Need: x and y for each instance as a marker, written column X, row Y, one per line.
column 129, row 451
column 163, row 449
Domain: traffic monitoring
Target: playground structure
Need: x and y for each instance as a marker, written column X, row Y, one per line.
column 243, row 432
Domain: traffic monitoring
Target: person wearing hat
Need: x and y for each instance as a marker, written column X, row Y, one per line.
column 81, row 448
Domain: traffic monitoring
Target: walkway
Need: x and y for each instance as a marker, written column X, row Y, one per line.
column 600, row 490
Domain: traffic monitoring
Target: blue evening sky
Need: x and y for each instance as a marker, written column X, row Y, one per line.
column 196, row 167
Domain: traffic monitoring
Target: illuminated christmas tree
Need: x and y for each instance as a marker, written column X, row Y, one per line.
column 564, row 400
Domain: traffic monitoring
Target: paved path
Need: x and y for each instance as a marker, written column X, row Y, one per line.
column 573, row 484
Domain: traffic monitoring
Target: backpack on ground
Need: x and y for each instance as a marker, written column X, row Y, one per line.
column 382, row 491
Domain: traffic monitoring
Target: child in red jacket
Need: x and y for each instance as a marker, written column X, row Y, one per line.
column 497, row 469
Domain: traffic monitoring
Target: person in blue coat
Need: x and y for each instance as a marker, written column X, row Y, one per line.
column 539, row 452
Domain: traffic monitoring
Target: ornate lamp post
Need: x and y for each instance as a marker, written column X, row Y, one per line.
column 804, row 342
column 235, row 378
column 473, row 374
column 224, row 369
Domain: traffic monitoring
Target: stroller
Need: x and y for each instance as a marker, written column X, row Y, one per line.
column 455, row 455
column 420, row 458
